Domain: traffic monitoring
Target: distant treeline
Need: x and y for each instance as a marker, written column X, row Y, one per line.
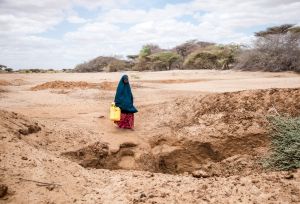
column 5, row 69
column 275, row 49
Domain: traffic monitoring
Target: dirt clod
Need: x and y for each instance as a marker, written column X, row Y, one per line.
column 51, row 187
column 30, row 129
column 3, row 190
column 288, row 176
column 200, row 174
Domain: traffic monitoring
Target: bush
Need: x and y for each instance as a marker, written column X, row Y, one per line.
column 285, row 144
column 201, row 60
column 276, row 49
column 163, row 60
column 212, row 57
column 101, row 63
column 142, row 64
column 118, row 65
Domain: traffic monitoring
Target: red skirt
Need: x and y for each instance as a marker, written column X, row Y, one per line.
column 127, row 121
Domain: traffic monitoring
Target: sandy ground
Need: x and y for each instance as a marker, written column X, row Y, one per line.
column 199, row 136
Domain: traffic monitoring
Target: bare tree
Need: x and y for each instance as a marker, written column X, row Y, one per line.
column 275, row 49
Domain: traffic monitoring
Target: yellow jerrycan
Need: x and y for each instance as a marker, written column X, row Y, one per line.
column 115, row 112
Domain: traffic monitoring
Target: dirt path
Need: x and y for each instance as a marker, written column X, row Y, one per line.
column 59, row 132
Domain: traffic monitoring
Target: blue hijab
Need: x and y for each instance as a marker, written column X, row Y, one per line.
column 124, row 98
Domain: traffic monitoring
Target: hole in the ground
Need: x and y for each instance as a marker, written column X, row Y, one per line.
column 165, row 157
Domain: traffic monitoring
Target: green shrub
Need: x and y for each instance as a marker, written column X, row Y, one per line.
column 201, row 60
column 285, row 144
column 212, row 57
column 142, row 64
column 163, row 60
column 118, row 65
column 145, row 51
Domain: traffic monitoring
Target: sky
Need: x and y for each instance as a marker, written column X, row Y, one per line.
column 63, row 33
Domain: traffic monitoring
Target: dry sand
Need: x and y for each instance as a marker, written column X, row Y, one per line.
column 198, row 138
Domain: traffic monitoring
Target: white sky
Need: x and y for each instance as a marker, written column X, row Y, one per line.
column 62, row 33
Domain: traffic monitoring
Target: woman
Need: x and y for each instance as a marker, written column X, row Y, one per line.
column 124, row 100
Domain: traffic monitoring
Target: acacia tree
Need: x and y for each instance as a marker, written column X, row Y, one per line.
column 275, row 49
column 163, row 60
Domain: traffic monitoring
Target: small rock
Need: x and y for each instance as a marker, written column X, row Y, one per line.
column 3, row 190
column 288, row 176
column 185, row 173
column 150, row 175
column 204, row 187
column 24, row 158
column 50, row 187
column 127, row 145
column 163, row 195
column 200, row 174
column 143, row 195
column 30, row 129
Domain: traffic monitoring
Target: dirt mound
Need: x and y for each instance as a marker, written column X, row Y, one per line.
column 18, row 124
column 226, row 115
column 64, row 85
column 108, row 86
column 232, row 123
